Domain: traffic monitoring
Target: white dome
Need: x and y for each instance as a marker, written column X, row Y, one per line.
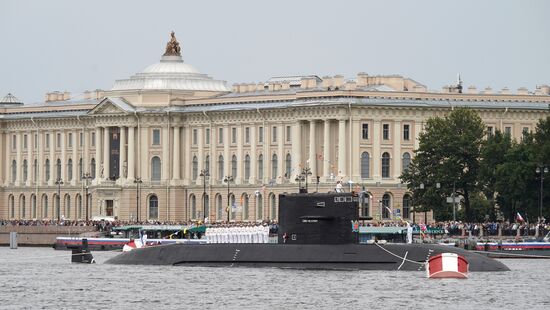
column 170, row 67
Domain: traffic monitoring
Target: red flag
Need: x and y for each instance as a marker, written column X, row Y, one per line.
column 519, row 218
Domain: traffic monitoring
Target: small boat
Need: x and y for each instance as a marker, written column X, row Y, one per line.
column 447, row 265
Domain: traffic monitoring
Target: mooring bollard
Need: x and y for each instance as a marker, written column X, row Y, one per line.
column 13, row 240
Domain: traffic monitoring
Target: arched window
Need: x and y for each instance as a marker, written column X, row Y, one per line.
column 47, row 168
column 288, row 166
column 385, row 165
column 365, row 204
column 232, row 206
column 407, row 203
column 247, row 167
column 246, row 210
column 386, row 206
column 261, row 167
column 45, row 206
column 219, row 208
column 195, row 168
column 206, row 205
column 70, row 169
column 193, row 203
column 58, row 169
column 33, row 206
column 365, row 165
column 260, row 207
column 274, row 167
column 155, row 169
column 79, row 206
column 35, row 170
column 406, row 161
column 153, row 207
column 234, row 166
column 25, row 170
column 207, row 163
column 80, row 169
column 273, row 206
column 13, row 170
column 22, row 207
column 92, row 168
column 11, row 206
column 220, row 167
column 67, row 206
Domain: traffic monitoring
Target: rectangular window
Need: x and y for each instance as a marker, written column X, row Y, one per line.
column 386, row 131
column 14, row 142
column 156, row 136
column 406, row 132
column 220, row 135
column 274, row 134
column 287, row 133
column 365, row 131
column 508, row 130
column 81, row 139
column 489, row 130
column 207, row 138
column 247, row 135
column 261, row 135
column 35, row 141
column 93, row 139
column 47, row 140
column 525, row 130
column 70, row 140
column 25, row 142
column 195, row 137
column 233, row 135
column 58, row 140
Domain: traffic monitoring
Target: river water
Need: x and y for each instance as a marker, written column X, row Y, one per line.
column 42, row 278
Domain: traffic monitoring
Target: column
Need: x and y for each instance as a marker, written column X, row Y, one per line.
column 342, row 148
column 200, row 152
column 187, row 155
column 240, row 157
column 296, row 149
column 18, row 158
column 281, row 156
column 253, row 156
column 30, row 161
column 122, row 162
column 326, row 151
column 131, row 153
column 165, row 153
column 355, row 155
column 176, row 160
column 98, row 160
column 63, row 174
column 85, row 152
column 417, row 130
column 2, row 147
column 76, row 160
column 106, row 159
column 226, row 154
column 40, row 160
column 376, row 154
column 143, row 159
column 395, row 164
column 312, row 149
column 51, row 181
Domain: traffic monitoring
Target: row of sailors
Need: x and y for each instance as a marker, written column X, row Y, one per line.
column 244, row 234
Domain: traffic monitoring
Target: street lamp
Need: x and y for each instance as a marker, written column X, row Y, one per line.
column 138, row 182
column 86, row 177
column 541, row 170
column 204, row 174
column 59, row 182
column 306, row 172
column 228, row 179
column 438, row 186
column 300, row 178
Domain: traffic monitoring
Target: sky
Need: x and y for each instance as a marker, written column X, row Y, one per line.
column 84, row 45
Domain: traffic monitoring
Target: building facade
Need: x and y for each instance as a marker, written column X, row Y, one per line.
column 162, row 144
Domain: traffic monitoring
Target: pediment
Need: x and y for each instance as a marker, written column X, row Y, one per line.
column 112, row 106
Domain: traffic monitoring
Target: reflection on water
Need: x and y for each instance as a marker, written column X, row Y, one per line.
column 36, row 278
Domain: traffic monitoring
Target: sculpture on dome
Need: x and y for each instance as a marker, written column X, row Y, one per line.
column 173, row 46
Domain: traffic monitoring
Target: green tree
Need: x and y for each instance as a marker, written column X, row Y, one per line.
column 448, row 154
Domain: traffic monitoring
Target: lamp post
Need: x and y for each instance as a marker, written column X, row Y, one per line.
column 300, row 178
column 58, row 182
column 138, row 182
column 257, row 192
column 306, row 172
column 541, row 170
column 422, row 186
column 228, row 179
column 204, row 174
column 86, row 177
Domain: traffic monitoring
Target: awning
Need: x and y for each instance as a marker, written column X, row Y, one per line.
column 382, row 230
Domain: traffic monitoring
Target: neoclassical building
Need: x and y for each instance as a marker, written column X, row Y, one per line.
column 159, row 145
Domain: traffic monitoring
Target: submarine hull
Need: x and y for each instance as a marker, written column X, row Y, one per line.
column 302, row 256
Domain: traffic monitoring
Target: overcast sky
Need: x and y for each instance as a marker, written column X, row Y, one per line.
column 80, row 45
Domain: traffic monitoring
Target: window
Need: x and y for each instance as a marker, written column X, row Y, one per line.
column 206, row 205
column 24, row 142
column 14, row 142
column 13, row 171
column 25, row 170
column 365, row 204
column 261, row 167
column 207, row 163
column 70, row 140
column 260, row 203
column 365, row 165
column 288, row 133
column 11, row 203
column 219, row 207
column 406, row 206
column 80, row 169
column 232, row 206
column 35, row 170
column 385, row 165
column 406, row 132
column 81, row 139
column 273, row 206
column 58, row 169
column 489, row 130
column 247, row 135
column 47, row 140
column 33, row 206
column 274, row 134
column 386, row 206
column 93, row 139
column 406, row 161
column 274, row 167
column 68, row 206
column 365, row 132
column 260, row 134
column 207, row 136
column 195, row 168
column 156, row 167
column 47, row 168
column 58, row 141
column 246, row 209
column 233, row 135
column 234, row 166
column 22, row 206
column 35, row 142
column 79, row 206
column 220, row 135
column 70, row 170
column 220, row 167
column 288, row 166
column 247, row 167
column 508, row 130
column 92, row 168
column 193, row 202
column 386, row 131
column 525, row 130
column 153, row 207
column 45, row 205
column 195, row 139
column 156, row 136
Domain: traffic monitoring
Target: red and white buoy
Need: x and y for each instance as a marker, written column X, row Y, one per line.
column 447, row 265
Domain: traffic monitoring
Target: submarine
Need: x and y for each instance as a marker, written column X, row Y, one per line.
column 315, row 232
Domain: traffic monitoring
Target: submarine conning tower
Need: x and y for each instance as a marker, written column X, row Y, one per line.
column 317, row 218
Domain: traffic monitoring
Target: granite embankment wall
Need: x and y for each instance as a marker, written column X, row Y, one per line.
column 41, row 235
